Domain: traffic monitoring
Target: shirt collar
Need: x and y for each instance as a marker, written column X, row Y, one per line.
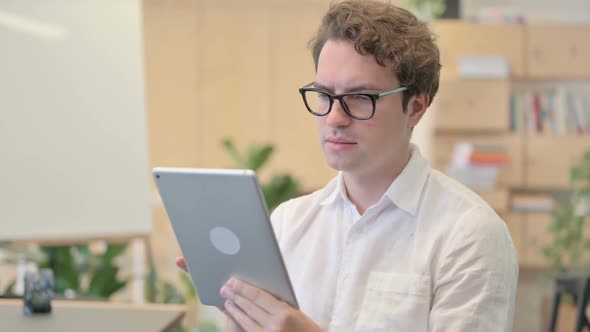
column 406, row 189
column 338, row 192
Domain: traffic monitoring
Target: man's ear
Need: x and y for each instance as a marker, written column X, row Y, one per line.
column 417, row 107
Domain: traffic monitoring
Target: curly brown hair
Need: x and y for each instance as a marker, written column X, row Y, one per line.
column 394, row 36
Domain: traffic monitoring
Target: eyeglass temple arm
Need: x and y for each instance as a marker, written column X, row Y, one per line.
column 382, row 94
column 387, row 93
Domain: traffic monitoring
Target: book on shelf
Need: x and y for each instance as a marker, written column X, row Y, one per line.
column 477, row 165
column 537, row 203
column 554, row 111
column 483, row 66
column 579, row 114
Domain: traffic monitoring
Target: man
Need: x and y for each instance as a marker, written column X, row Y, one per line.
column 389, row 244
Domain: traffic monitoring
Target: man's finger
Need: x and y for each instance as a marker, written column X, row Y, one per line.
column 232, row 325
column 181, row 263
column 256, row 295
column 240, row 317
column 249, row 308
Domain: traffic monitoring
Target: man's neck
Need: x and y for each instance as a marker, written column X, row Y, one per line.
column 365, row 190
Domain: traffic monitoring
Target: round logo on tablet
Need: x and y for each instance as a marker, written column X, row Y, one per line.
column 224, row 240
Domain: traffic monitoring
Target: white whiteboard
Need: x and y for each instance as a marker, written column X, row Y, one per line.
column 73, row 145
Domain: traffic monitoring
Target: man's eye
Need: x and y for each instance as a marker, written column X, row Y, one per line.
column 359, row 98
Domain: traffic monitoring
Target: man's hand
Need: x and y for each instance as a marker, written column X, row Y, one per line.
column 256, row 310
column 232, row 326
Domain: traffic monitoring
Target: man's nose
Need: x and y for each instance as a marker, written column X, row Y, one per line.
column 338, row 116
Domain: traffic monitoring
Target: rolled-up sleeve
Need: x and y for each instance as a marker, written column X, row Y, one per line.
column 476, row 274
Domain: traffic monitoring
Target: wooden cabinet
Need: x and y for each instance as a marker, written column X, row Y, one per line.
column 558, row 51
column 457, row 38
column 548, row 160
column 539, row 51
column 498, row 199
column 472, row 105
column 535, row 238
column 233, row 87
column 170, row 67
column 218, row 69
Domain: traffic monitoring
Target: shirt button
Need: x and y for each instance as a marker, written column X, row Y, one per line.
column 345, row 280
column 356, row 231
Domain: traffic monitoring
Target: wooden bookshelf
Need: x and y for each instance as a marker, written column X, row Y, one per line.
column 472, row 105
column 557, row 51
column 478, row 111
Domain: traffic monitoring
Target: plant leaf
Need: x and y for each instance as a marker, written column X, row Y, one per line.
column 229, row 146
column 113, row 250
column 151, row 284
column 576, row 174
column 189, row 289
column 85, row 256
column 104, row 282
column 281, row 188
column 64, row 269
column 171, row 294
column 258, row 156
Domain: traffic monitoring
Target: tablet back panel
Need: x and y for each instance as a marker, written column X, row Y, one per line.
column 223, row 229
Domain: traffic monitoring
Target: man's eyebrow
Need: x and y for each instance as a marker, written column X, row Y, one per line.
column 354, row 88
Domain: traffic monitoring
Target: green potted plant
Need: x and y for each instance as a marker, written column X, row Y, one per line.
column 280, row 188
column 78, row 271
column 566, row 251
column 569, row 243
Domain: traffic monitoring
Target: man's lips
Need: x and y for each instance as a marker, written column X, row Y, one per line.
column 337, row 140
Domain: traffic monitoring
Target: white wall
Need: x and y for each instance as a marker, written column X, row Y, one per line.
column 73, row 145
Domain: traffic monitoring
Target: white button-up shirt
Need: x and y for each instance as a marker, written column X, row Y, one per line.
column 429, row 256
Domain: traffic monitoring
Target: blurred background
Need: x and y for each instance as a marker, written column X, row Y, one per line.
column 93, row 94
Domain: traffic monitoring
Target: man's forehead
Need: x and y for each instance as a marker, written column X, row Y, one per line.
column 354, row 80
column 353, row 85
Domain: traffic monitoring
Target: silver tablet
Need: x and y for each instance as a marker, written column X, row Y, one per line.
column 223, row 229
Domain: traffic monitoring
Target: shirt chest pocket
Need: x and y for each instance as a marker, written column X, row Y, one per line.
column 395, row 302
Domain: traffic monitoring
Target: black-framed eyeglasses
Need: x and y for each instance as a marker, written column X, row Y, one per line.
column 360, row 106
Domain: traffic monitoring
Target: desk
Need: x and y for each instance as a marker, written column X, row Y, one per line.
column 91, row 316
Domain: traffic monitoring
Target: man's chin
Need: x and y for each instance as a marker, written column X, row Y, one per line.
column 340, row 165
column 344, row 162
